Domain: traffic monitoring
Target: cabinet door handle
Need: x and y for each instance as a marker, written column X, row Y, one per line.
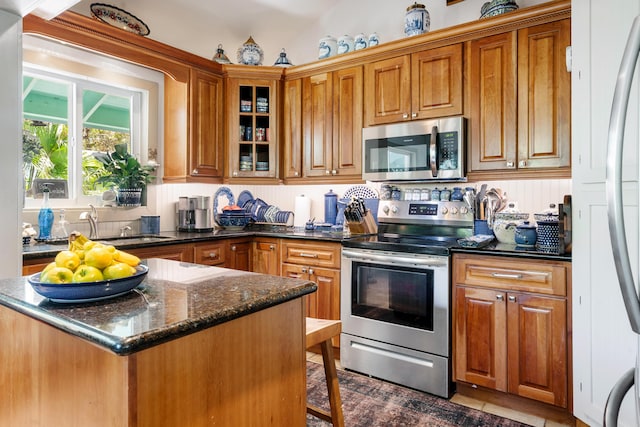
column 500, row 297
column 272, row 247
column 512, row 298
column 522, row 163
column 194, row 172
column 511, row 164
column 306, row 255
column 304, row 270
column 405, row 116
column 295, row 173
column 327, row 172
column 334, row 172
column 414, row 115
column 213, row 255
column 506, row 276
column 233, row 248
column 311, row 271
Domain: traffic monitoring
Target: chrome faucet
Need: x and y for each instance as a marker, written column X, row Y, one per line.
column 93, row 221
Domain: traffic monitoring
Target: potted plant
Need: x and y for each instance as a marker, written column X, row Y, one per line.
column 125, row 172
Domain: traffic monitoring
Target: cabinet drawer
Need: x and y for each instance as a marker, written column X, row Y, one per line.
column 317, row 253
column 210, row 253
column 539, row 276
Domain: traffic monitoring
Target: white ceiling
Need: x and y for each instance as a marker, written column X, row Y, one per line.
column 198, row 26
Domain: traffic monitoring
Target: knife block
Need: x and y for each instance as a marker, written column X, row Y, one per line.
column 366, row 226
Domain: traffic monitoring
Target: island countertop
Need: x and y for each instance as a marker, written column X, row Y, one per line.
column 174, row 300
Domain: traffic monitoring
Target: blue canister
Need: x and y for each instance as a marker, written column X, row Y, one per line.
column 457, row 194
column 526, row 234
column 330, row 207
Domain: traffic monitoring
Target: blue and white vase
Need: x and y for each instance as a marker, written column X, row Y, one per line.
column 250, row 53
column 374, row 40
column 416, row 20
column 328, row 47
column 359, row 42
column 345, row 44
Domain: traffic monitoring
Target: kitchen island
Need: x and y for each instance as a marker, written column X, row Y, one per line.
column 192, row 345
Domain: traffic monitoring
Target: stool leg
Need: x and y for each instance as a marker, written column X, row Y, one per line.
column 332, row 383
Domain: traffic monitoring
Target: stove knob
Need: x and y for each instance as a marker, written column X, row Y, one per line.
column 454, row 210
column 444, row 210
column 394, row 209
column 464, row 210
column 385, row 209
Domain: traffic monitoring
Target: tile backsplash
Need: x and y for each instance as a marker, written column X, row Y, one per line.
column 531, row 196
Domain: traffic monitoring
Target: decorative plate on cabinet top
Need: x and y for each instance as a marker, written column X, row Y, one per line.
column 119, row 18
column 250, row 53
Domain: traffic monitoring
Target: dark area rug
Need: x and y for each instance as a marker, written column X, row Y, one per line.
column 370, row 402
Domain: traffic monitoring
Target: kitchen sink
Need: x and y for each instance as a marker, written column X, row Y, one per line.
column 132, row 239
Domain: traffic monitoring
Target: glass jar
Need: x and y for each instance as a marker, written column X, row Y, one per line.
column 445, row 195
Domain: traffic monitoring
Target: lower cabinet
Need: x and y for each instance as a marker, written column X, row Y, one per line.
column 511, row 326
column 238, row 254
column 266, row 255
column 181, row 252
column 318, row 262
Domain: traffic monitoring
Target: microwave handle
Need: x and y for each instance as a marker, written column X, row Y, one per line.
column 433, row 150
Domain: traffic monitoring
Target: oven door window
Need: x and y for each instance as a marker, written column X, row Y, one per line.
column 399, row 295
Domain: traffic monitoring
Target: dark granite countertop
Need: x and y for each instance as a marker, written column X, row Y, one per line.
column 175, row 299
column 41, row 250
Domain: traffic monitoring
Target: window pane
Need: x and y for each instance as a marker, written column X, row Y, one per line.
column 45, row 130
column 106, row 121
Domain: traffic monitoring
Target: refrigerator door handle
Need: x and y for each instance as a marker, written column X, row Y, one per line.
column 614, row 175
column 616, row 395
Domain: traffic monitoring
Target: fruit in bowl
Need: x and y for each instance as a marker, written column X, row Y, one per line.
column 87, row 261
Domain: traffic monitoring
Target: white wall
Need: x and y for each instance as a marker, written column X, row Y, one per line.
column 10, row 144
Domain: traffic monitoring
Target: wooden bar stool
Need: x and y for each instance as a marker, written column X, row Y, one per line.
column 320, row 331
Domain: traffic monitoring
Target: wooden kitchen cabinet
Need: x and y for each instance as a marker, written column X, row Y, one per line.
column 193, row 113
column 511, row 326
column 210, row 253
column 520, row 101
column 238, row 254
column 331, row 126
column 422, row 85
column 252, row 127
column 266, row 255
column 319, row 262
column 292, row 142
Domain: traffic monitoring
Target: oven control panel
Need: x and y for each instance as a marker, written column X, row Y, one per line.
column 440, row 212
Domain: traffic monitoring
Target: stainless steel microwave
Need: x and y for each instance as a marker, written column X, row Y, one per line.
column 415, row 151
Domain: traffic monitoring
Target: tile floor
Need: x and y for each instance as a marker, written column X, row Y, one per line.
column 522, row 417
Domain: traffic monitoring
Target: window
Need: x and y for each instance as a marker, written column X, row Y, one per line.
column 77, row 103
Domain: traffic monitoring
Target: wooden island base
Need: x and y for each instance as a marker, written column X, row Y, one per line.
column 247, row 371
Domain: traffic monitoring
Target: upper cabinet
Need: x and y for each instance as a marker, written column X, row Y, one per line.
column 421, row 85
column 520, row 101
column 252, row 129
column 323, row 127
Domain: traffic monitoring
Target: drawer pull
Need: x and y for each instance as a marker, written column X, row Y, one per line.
column 306, row 255
column 506, row 276
column 213, row 255
column 311, row 271
column 500, row 297
column 233, row 248
column 272, row 247
column 512, row 298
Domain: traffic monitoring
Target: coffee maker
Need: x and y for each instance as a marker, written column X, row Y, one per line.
column 194, row 214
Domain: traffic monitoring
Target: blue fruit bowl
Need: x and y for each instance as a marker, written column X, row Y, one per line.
column 233, row 220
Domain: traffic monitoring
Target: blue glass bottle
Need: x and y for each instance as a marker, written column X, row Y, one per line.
column 45, row 217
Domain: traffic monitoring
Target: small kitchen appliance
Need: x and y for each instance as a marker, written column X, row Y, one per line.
column 417, row 150
column 194, row 214
column 395, row 294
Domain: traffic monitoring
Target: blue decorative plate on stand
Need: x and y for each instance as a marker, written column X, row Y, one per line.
column 226, row 192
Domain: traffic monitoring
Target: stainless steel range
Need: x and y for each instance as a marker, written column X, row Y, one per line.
column 396, row 294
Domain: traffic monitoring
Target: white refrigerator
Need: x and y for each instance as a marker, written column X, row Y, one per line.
column 630, row 381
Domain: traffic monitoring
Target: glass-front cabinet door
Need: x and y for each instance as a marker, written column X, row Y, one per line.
column 252, row 129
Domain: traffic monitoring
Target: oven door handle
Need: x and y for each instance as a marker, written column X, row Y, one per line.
column 433, row 151
column 395, row 259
